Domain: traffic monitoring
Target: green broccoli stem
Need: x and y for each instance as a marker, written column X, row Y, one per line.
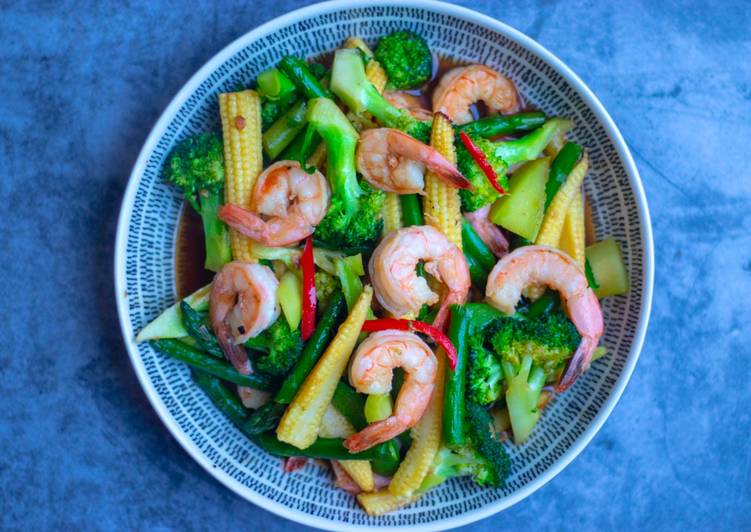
column 454, row 432
column 297, row 70
column 341, row 141
column 351, row 85
column 524, row 386
column 215, row 233
column 275, row 85
column 494, row 126
column 284, row 130
column 531, row 145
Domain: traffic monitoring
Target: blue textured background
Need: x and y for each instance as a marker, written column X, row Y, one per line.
column 81, row 84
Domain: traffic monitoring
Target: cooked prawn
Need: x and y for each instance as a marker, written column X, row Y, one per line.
column 242, row 304
column 393, row 271
column 547, row 266
column 371, row 372
column 408, row 102
column 393, row 161
column 488, row 232
column 460, row 87
column 292, row 200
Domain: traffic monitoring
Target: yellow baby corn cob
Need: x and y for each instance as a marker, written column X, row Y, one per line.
column 392, row 213
column 441, row 202
column 301, row 421
column 573, row 235
column 426, row 439
column 241, row 129
column 383, row 501
column 335, row 425
column 552, row 223
column 373, row 70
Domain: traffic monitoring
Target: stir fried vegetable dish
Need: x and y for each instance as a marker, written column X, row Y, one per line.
column 401, row 281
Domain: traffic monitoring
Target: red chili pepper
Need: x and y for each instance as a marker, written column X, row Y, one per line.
column 415, row 326
column 309, row 299
column 481, row 161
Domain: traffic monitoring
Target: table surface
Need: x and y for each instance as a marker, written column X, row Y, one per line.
column 82, row 83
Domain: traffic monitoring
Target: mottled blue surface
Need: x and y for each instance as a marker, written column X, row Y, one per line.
column 81, row 84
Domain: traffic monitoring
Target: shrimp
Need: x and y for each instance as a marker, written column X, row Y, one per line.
column 460, row 87
column 393, row 271
column 293, row 201
column 393, row 161
column 408, row 102
column 544, row 265
column 371, row 372
column 488, row 232
column 242, row 304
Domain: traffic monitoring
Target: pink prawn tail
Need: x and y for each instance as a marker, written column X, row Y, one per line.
column 375, row 433
column 242, row 220
column 578, row 364
column 449, row 173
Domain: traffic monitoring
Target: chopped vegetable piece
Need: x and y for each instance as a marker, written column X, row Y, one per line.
column 608, row 268
column 442, row 206
column 309, row 300
column 169, row 323
column 482, row 162
column 243, row 159
column 521, row 211
column 552, row 223
column 290, row 298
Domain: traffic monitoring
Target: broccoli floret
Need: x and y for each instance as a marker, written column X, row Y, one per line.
column 482, row 192
column 279, row 348
column 348, row 82
column 196, row 167
column 501, row 155
column 484, row 376
column 339, row 231
column 484, row 458
column 326, row 285
column 524, row 385
column 406, row 58
column 548, row 339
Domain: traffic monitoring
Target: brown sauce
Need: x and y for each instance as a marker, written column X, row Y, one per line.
column 189, row 248
column 190, row 254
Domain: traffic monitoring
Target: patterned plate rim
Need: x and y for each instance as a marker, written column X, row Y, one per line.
column 441, row 8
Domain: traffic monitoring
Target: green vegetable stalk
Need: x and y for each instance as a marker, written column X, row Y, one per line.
column 196, row 167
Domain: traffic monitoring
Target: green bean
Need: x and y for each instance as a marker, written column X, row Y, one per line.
column 313, row 349
column 283, row 131
column 322, row 448
column 224, row 399
column 264, row 418
column 350, row 404
column 411, row 210
column 454, row 433
column 494, row 126
column 473, row 244
column 560, row 168
column 195, row 324
column 297, row 70
column 477, row 272
column 219, row 368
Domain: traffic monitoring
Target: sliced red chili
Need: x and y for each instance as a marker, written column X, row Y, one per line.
column 482, row 161
column 415, row 326
column 309, row 299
